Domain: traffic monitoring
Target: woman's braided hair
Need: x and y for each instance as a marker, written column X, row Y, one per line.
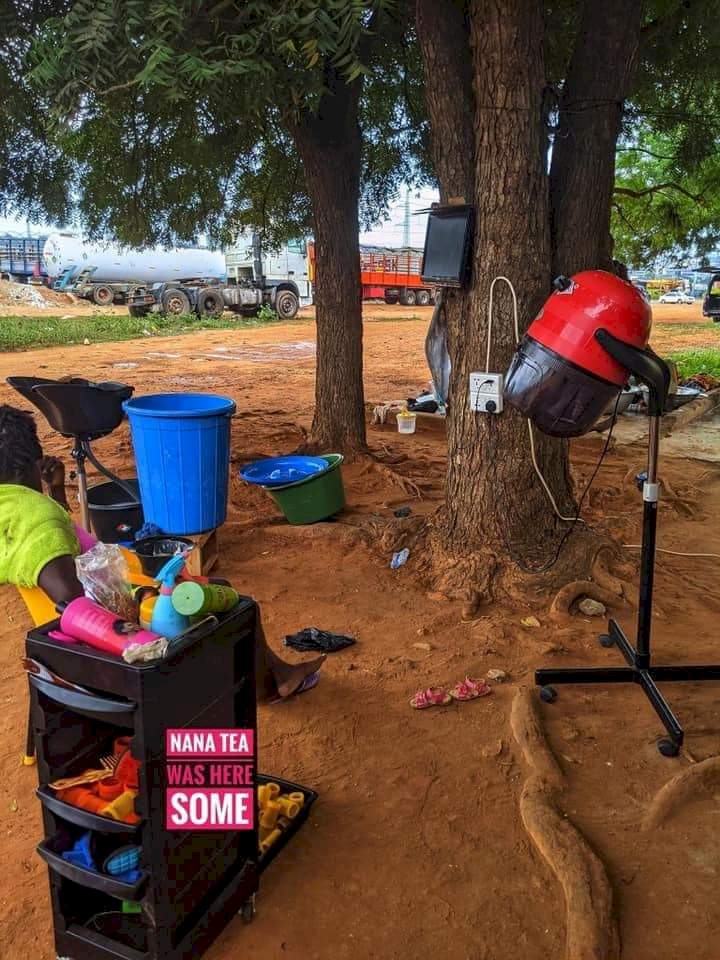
column 20, row 448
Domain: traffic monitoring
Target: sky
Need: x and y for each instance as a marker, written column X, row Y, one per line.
column 387, row 234
column 390, row 233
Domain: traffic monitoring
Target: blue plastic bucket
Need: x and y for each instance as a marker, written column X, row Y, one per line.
column 182, row 452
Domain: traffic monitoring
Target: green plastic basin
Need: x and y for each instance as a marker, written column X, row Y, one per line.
column 315, row 498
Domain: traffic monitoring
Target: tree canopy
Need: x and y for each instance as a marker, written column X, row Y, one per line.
column 178, row 123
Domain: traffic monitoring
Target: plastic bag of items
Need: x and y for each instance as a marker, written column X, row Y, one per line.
column 104, row 574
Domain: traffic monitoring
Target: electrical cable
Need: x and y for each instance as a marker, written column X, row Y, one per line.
column 490, row 317
column 533, row 454
column 566, row 536
column 574, row 520
column 675, row 553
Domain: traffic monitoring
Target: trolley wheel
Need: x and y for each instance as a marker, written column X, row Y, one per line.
column 606, row 640
column 668, row 747
column 247, row 911
column 548, row 694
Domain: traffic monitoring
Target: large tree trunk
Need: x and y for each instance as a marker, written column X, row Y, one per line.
column 329, row 145
column 494, row 501
column 582, row 174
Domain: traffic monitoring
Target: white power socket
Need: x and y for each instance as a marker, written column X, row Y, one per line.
column 486, row 392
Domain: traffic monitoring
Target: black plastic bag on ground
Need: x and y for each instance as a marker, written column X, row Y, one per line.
column 318, row 640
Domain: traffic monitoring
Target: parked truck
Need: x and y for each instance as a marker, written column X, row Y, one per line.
column 21, row 258
column 208, row 298
column 279, row 279
column 711, row 303
column 106, row 273
column 392, row 275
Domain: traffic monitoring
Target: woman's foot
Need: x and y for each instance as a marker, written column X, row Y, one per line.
column 290, row 677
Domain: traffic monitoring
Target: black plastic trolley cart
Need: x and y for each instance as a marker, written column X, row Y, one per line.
column 191, row 884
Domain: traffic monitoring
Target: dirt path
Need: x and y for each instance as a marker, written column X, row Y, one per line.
column 415, row 846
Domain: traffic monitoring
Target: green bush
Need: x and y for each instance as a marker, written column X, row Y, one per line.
column 701, row 360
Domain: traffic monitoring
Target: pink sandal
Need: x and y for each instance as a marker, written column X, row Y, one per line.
column 469, row 689
column 432, row 697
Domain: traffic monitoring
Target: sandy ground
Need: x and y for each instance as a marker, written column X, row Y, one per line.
column 416, row 846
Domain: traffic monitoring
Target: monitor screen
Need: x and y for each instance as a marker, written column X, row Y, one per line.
column 447, row 247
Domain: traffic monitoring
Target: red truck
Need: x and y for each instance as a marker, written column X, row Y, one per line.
column 389, row 275
column 394, row 276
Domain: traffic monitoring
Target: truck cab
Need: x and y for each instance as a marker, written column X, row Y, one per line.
column 711, row 303
column 285, row 268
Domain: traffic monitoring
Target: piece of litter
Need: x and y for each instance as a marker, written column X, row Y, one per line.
column 530, row 622
column 313, row 639
column 497, row 676
column 399, row 558
column 86, row 342
column 592, row 608
column 422, row 646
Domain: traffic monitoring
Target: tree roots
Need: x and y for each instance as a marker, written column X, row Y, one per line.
column 591, row 931
column 605, row 587
column 408, row 486
column 688, row 785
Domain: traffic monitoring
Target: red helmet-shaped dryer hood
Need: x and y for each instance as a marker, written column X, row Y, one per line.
column 561, row 377
column 593, row 300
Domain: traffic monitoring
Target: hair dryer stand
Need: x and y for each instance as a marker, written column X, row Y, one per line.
column 653, row 372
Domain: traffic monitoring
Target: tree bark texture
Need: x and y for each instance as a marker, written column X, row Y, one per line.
column 582, row 174
column 329, row 145
column 493, row 497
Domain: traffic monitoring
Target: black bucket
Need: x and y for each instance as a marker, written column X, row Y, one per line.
column 154, row 552
column 113, row 517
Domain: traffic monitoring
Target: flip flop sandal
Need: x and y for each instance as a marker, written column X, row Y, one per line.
column 469, row 689
column 432, row 697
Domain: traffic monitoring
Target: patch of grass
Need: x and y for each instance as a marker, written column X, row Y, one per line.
column 692, row 362
column 25, row 333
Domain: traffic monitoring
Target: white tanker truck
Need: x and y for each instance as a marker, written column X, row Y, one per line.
column 105, row 272
column 180, row 280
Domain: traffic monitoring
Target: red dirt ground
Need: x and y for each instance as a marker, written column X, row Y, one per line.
column 415, row 846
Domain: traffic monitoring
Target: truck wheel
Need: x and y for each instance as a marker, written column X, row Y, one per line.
column 423, row 298
column 408, row 298
column 286, row 304
column 103, row 295
column 175, row 302
column 391, row 298
column 138, row 311
column 210, row 303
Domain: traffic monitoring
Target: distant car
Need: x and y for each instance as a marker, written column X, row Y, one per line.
column 676, row 296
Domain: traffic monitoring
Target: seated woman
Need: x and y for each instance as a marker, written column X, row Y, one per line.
column 39, row 542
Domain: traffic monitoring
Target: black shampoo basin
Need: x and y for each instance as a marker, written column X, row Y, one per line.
column 76, row 407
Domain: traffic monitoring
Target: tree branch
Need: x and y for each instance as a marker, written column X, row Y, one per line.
column 108, row 90
column 656, row 188
column 649, row 153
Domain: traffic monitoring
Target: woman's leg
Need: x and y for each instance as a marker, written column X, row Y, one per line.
column 274, row 677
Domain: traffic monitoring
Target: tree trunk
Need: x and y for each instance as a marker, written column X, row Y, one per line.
column 329, row 145
column 582, row 174
column 493, row 498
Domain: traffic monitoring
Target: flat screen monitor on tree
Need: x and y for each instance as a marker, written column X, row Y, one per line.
column 446, row 257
